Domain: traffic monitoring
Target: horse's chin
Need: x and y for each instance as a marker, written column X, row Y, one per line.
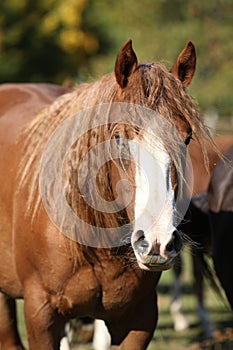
column 155, row 265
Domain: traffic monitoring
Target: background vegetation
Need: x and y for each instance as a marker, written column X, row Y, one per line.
column 56, row 40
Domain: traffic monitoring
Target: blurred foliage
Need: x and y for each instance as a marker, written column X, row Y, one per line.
column 43, row 40
column 52, row 40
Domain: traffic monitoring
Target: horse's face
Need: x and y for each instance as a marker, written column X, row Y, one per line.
column 146, row 98
column 155, row 239
column 150, row 200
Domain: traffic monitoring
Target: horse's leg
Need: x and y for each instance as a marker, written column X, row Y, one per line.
column 179, row 320
column 101, row 338
column 64, row 344
column 9, row 336
column 199, row 291
column 222, row 223
column 44, row 326
column 66, row 337
column 135, row 330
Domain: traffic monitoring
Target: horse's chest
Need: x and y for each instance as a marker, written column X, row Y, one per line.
column 119, row 290
column 98, row 290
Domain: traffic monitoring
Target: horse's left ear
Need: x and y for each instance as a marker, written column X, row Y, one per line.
column 184, row 67
column 126, row 63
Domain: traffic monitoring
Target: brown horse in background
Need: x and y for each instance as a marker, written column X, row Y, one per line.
column 58, row 277
column 196, row 225
column 202, row 175
column 220, row 199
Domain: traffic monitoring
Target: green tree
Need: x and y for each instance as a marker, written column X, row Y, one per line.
column 43, row 39
column 160, row 29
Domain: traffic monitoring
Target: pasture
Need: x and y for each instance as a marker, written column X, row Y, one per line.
column 165, row 338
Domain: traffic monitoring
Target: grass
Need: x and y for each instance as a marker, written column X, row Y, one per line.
column 165, row 337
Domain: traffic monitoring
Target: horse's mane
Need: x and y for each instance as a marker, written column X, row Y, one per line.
column 151, row 86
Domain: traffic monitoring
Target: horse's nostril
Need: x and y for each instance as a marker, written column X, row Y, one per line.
column 143, row 244
column 170, row 246
column 175, row 244
column 140, row 244
column 139, row 235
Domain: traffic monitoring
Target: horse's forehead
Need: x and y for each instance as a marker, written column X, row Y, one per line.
column 162, row 92
column 182, row 126
column 143, row 146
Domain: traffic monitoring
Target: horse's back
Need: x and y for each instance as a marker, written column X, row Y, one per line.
column 26, row 100
column 200, row 174
column 19, row 103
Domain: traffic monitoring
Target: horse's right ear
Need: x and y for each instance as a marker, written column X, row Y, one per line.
column 126, row 63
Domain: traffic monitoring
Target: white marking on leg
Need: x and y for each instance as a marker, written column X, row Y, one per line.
column 101, row 338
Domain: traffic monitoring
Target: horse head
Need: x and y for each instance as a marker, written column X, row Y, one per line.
column 154, row 238
column 130, row 128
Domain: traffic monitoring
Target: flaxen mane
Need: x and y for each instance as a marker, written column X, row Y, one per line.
column 151, row 86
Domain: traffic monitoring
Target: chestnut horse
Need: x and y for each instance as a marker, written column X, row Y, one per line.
column 196, row 225
column 81, row 259
column 220, row 200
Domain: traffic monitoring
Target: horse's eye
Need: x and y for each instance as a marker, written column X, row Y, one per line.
column 188, row 138
column 117, row 138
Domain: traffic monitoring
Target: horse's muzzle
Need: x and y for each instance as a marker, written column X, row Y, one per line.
column 156, row 255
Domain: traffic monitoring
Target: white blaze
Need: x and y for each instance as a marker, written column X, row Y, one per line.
column 154, row 197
